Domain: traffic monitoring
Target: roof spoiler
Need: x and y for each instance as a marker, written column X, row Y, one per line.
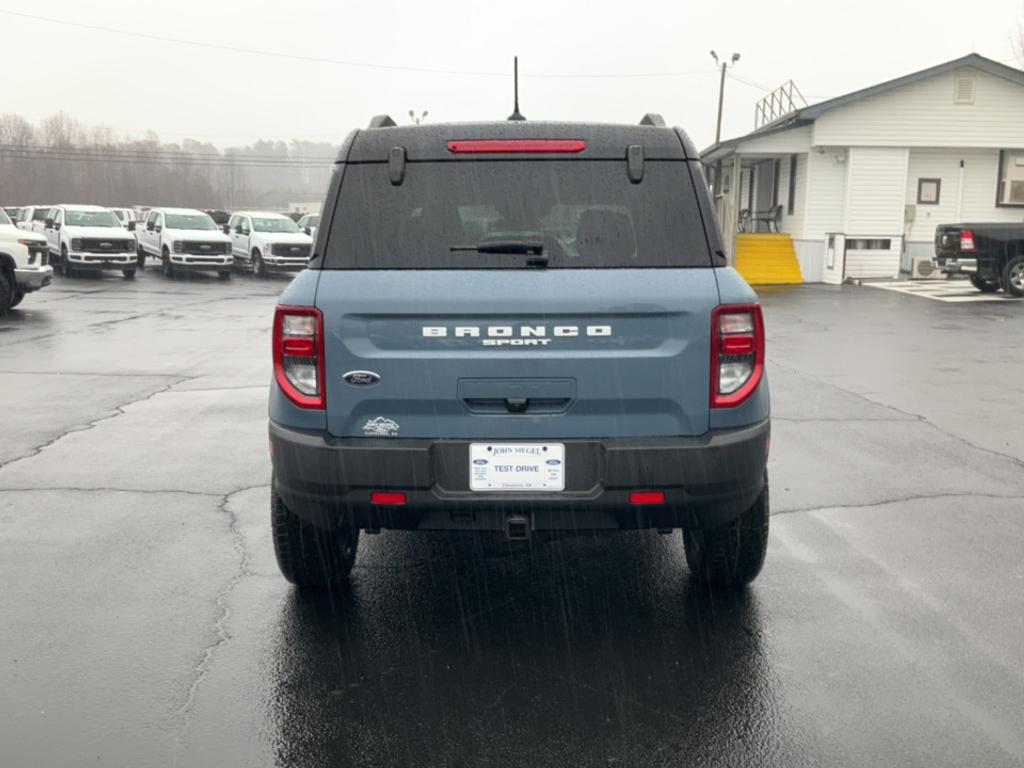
column 653, row 119
column 382, row 121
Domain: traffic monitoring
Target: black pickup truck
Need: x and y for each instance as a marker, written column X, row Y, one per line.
column 992, row 255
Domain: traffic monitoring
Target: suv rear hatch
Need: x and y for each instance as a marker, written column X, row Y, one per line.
column 527, row 297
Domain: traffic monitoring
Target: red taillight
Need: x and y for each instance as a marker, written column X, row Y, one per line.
column 967, row 240
column 299, row 355
column 646, row 498
column 387, row 498
column 516, row 146
column 737, row 353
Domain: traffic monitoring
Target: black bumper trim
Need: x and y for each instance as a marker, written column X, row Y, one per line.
column 708, row 481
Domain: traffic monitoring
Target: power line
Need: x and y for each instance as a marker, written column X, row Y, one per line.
column 338, row 62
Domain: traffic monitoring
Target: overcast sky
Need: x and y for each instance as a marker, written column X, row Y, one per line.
column 131, row 83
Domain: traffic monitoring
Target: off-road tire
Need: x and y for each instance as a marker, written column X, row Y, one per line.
column 1013, row 276
column 731, row 555
column 985, row 286
column 128, row 274
column 6, row 291
column 308, row 556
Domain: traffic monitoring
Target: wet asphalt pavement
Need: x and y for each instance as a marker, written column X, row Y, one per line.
column 144, row 622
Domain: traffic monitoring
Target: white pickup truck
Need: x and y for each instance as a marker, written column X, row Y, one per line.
column 268, row 242
column 89, row 238
column 184, row 240
column 23, row 264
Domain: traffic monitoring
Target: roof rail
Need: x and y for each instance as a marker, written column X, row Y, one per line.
column 382, row 121
column 654, row 119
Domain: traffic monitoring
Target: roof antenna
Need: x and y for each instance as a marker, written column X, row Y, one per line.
column 515, row 112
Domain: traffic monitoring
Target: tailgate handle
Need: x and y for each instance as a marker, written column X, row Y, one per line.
column 517, row 404
column 517, row 396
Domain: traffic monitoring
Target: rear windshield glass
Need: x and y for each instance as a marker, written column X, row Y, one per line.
column 584, row 214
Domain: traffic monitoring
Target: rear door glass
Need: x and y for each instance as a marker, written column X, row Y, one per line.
column 585, row 214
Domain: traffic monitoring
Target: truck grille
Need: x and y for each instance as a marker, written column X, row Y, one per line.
column 205, row 248
column 294, row 251
column 95, row 245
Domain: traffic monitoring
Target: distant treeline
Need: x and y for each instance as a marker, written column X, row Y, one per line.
column 61, row 161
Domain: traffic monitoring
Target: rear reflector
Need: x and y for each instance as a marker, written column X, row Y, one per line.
column 394, row 499
column 298, row 347
column 516, row 146
column 646, row 498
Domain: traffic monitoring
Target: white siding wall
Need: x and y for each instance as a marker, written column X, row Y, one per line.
column 826, row 193
column 979, row 192
column 876, row 191
column 924, row 115
column 875, row 196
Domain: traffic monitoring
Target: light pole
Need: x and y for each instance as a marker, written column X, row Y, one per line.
column 418, row 120
column 721, row 90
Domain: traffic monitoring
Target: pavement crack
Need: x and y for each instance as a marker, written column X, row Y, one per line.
column 108, row 489
column 899, row 500
column 911, row 415
column 118, row 410
column 220, row 630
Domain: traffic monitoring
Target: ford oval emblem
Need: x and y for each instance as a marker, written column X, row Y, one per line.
column 553, row 462
column 480, row 462
column 362, row 378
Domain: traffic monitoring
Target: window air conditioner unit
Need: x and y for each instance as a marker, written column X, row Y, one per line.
column 923, row 267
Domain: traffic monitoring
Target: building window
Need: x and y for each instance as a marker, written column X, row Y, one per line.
column 928, row 191
column 1010, row 190
column 864, row 244
column 791, row 202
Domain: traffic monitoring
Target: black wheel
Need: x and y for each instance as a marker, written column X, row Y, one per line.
column 308, row 556
column 140, row 258
column 129, row 274
column 65, row 262
column 259, row 269
column 16, row 298
column 166, row 268
column 6, row 291
column 732, row 555
column 1013, row 276
column 224, row 274
column 985, row 286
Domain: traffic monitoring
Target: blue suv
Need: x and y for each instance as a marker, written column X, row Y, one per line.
column 519, row 327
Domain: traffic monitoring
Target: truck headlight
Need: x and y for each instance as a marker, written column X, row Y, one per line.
column 76, row 244
column 179, row 246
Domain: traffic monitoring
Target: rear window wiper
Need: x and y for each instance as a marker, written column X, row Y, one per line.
column 514, row 247
column 534, row 250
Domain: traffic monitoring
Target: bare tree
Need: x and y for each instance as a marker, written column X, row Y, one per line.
column 61, row 161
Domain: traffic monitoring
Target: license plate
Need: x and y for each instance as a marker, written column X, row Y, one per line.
column 517, row 467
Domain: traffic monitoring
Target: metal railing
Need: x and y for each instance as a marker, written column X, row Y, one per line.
column 783, row 101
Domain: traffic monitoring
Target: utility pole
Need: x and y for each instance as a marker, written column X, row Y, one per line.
column 721, row 90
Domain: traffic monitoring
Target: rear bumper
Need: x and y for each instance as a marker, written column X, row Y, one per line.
column 708, row 481
column 34, row 278
column 956, row 266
